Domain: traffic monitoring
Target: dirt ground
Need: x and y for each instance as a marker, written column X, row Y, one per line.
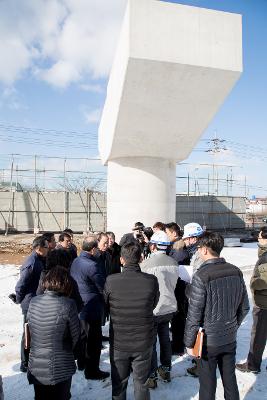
column 15, row 248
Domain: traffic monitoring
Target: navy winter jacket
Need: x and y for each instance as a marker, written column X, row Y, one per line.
column 90, row 279
column 28, row 282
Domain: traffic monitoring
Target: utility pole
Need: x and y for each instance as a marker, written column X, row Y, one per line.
column 36, row 218
column 64, row 182
column 11, row 196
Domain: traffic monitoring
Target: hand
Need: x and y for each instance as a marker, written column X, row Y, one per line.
column 190, row 351
column 12, row 297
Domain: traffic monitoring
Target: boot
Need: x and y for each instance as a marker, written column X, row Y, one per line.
column 165, row 373
column 152, row 383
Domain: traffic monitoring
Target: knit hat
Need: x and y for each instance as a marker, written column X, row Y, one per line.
column 161, row 239
column 192, row 230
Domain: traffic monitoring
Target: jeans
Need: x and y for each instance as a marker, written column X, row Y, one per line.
column 162, row 331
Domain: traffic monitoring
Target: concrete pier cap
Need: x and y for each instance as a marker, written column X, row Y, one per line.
column 174, row 66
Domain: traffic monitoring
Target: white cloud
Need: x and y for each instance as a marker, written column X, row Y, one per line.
column 9, row 98
column 60, row 41
column 91, row 88
column 92, row 116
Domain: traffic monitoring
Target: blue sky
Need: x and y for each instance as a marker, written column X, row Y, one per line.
column 55, row 61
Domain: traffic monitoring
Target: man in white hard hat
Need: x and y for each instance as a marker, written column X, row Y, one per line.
column 191, row 236
column 165, row 268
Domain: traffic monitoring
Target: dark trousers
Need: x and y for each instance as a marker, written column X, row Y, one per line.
column 163, row 332
column 60, row 391
column 122, row 363
column 93, row 333
column 224, row 358
column 179, row 318
column 24, row 353
column 258, row 339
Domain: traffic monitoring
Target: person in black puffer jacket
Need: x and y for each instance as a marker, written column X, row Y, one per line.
column 54, row 331
column 218, row 303
column 131, row 297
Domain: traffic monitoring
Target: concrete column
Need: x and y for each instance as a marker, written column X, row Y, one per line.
column 174, row 67
column 140, row 189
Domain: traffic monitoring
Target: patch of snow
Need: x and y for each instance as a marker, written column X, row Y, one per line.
column 16, row 387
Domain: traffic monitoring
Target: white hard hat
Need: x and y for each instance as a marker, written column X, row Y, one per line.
column 161, row 239
column 192, row 230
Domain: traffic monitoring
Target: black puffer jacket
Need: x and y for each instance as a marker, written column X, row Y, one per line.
column 218, row 303
column 54, row 328
column 131, row 297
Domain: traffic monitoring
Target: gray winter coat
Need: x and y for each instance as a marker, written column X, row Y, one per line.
column 54, row 329
column 165, row 268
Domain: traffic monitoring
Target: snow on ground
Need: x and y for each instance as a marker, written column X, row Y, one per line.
column 183, row 387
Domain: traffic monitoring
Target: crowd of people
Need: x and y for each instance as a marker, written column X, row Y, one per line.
column 67, row 298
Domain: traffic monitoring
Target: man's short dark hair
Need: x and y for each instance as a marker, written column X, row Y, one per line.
column 131, row 253
column 48, row 236
column 159, row 225
column 59, row 257
column 263, row 231
column 58, row 280
column 174, row 227
column 39, row 241
column 89, row 243
column 112, row 234
column 69, row 231
column 62, row 236
column 213, row 241
column 100, row 235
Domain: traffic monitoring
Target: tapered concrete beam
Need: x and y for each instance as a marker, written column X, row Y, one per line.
column 173, row 68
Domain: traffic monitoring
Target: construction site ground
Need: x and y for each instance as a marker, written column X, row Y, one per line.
column 15, row 248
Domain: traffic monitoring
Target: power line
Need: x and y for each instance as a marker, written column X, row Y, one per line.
column 38, row 130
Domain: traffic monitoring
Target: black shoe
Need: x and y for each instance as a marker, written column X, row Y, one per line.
column 105, row 338
column 244, row 368
column 193, row 371
column 23, row 367
column 96, row 375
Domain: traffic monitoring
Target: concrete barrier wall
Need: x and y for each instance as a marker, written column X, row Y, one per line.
column 215, row 212
column 25, row 211
column 54, row 211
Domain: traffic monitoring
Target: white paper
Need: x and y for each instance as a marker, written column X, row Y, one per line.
column 186, row 273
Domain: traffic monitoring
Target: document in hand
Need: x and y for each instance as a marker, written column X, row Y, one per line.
column 27, row 336
column 197, row 350
column 186, row 273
